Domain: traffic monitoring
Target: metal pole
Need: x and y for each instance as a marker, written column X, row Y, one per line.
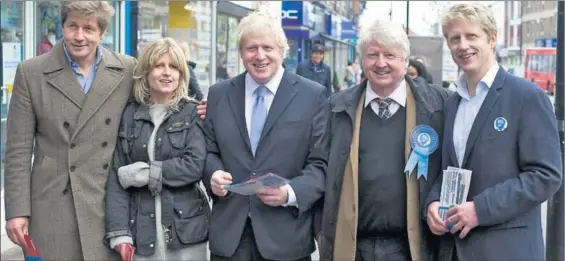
column 390, row 12
column 555, row 242
column 407, row 17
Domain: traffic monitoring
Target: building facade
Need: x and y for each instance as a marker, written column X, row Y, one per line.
column 315, row 22
column 539, row 22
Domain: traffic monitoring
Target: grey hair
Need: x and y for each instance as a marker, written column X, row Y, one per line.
column 385, row 33
column 263, row 20
column 147, row 62
column 101, row 10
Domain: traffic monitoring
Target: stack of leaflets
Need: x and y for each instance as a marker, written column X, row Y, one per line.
column 269, row 180
column 454, row 189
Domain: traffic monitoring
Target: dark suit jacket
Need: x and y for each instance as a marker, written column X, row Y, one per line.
column 514, row 171
column 429, row 110
column 294, row 145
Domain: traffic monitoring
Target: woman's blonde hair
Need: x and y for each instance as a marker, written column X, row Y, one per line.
column 101, row 10
column 148, row 61
column 472, row 12
column 185, row 49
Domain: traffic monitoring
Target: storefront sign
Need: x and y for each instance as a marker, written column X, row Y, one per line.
column 298, row 13
column 292, row 13
column 335, row 26
column 348, row 30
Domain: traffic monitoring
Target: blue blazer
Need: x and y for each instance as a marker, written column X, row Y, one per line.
column 515, row 169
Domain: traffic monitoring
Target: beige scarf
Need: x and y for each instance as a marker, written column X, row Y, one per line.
column 345, row 244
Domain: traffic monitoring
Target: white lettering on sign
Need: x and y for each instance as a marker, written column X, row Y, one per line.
column 289, row 14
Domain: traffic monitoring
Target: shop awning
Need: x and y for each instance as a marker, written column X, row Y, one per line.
column 322, row 36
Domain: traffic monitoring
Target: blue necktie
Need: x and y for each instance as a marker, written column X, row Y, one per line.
column 258, row 116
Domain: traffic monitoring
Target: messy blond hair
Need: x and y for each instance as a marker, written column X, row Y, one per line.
column 386, row 34
column 471, row 12
column 101, row 10
column 263, row 20
column 148, row 61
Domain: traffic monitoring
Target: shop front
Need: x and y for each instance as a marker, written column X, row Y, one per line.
column 302, row 23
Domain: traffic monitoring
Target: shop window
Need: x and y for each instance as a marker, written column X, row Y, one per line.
column 227, row 60
column 184, row 21
column 49, row 27
column 12, row 38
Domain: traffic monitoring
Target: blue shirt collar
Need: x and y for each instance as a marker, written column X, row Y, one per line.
column 75, row 64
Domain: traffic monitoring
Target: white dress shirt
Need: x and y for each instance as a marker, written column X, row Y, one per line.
column 398, row 98
column 469, row 108
column 272, row 86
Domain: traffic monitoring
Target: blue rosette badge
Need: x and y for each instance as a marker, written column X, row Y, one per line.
column 424, row 141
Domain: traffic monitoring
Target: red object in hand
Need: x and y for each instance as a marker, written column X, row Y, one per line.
column 126, row 251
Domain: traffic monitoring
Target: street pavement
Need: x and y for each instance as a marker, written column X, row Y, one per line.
column 12, row 252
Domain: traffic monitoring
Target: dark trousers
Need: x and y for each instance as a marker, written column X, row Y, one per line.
column 247, row 249
column 383, row 249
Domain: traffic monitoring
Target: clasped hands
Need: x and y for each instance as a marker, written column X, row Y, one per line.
column 273, row 197
column 463, row 216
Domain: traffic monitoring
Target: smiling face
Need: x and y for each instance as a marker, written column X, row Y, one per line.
column 82, row 36
column 163, row 78
column 384, row 67
column 261, row 55
column 471, row 47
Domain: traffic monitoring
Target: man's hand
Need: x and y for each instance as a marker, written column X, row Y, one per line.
column 16, row 228
column 273, row 197
column 219, row 180
column 126, row 251
column 436, row 224
column 464, row 217
column 201, row 109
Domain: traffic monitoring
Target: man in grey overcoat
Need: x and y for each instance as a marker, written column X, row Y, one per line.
column 62, row 127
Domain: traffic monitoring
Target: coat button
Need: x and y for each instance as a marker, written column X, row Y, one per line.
column 72, row 146
column 108, row 121
column 152, row 215
column 131, row 221
column 105, row 166
column 151, row 245
column 66, row 124
column 104, row 144
column 344, row 150
column 73, row 168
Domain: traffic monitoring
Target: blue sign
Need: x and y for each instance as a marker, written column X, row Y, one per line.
column 298, row 13
column 554, row 42
column 292, row 13
column 348, row 30
column 334, row 26
column 540, row 43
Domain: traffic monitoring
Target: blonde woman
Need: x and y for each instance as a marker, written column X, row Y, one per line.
column 153, row 200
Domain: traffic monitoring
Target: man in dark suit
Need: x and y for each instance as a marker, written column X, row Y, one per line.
column 265, row 120
column 315, row 69
column 502, row 128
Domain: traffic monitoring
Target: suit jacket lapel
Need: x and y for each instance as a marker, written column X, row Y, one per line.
column 236, row 98
column 484, row 111
column 60, row 75
column 451, row 112
column 285, row 93
column 108, row 77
